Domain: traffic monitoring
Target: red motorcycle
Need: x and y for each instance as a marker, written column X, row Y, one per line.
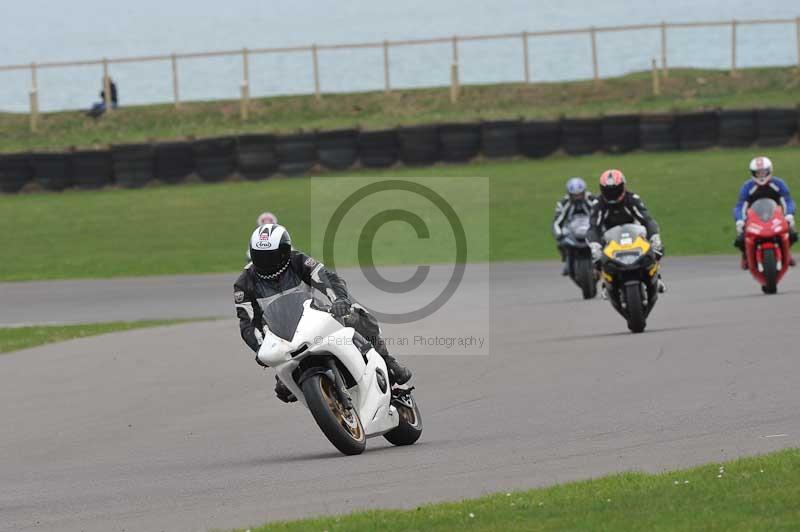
column 766, row 241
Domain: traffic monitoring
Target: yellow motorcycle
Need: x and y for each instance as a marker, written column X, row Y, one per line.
column 629, row 269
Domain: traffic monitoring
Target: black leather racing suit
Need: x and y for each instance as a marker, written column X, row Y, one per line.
column 303, row 274
column 607, row 215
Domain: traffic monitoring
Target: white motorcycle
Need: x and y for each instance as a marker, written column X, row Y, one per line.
column 337, row 374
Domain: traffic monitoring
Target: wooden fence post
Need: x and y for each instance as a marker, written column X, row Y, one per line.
column 245, row 88
column 656, row 81
column 34, row 98
column 315, row 61
column 387, row 86
column 734, row 24
column 525, row 57
column 455, row 86
column 664, row 64
column 595, row 68
column 797, row 23
column 107, row 87
column 175, row 87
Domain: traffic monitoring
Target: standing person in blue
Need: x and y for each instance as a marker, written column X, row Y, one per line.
column 577, row 200
column 762, row 184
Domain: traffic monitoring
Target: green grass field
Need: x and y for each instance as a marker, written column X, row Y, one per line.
column 752, row 494
column 16, row 338
column 204, row 228
column 685, row 89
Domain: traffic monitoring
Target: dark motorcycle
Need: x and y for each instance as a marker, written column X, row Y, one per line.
column 579, row 255
column 630, row 274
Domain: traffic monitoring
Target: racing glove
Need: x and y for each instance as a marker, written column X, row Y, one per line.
column 341, row 307
column 790, row 219
column 655, row 241
column 597, row 251
column 739, row 227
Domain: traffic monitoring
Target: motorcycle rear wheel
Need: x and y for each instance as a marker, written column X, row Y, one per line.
column 410, row 428
column 634, row 308
column 770, row 272
column 342, row 427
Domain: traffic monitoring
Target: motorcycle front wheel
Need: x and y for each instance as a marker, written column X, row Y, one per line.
column 340, row 425
column 770, row 272
column 635, row 308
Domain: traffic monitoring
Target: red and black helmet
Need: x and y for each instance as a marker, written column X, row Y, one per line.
column 612, row 186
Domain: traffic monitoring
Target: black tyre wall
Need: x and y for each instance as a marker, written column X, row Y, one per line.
column 658, row 132
column 215, row 158
column 620, row 133
column 92, row 168
column 419, row 146
column 737, row 128
column 582, row 136
column 255, row 156
column 776, row 126
column 539, row 139
column 134, row 164
column 297, row 154
column 174, row 161
column 460, row 142
column 15, row 172
column 51, row 170
column 698, row 131
column 338, row 149
column 500, row 139
column 378, row 149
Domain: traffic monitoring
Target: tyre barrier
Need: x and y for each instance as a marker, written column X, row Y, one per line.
column 419, row 145
column 256, row 157
column 91, row 168
column 51, row 170
column 378, row 149
column 174, row 161
column 658, row 132
column 134, row 165
column 698, row 131
column 539, row 139
column 500, row 138
column 737, row 129
column 338, row 149
column 297, row 154
column 460, row 142
column 582, row 136
column 215, row 158
column 620, row 133
column 776, row 126
column 15, row 172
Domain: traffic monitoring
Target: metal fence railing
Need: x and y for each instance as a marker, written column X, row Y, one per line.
column 173, row 60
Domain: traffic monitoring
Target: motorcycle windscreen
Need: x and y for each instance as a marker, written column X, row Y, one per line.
column 625, row 234
column 578, row 226
column 282, row 314
column 764, row 209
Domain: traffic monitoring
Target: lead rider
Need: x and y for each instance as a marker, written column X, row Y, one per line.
column 277, row 269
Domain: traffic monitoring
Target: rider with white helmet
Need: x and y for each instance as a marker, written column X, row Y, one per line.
column 762, row 184
column 576, row 201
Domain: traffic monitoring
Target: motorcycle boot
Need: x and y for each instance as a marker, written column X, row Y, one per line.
column 283, row 393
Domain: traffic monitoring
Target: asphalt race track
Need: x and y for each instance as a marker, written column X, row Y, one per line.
column 177, row 428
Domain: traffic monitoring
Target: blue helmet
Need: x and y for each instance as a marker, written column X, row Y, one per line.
column 576, row 187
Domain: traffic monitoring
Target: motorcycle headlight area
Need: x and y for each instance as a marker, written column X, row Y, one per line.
column 627, row 257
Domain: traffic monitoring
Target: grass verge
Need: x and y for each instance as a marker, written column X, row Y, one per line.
column 16, row 338
column 685, row 89
column 204, row 228
column 758, row 493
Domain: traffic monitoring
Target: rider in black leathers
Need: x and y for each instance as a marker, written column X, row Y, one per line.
column 618, row 206
column 277, row 269
column 576, row 201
